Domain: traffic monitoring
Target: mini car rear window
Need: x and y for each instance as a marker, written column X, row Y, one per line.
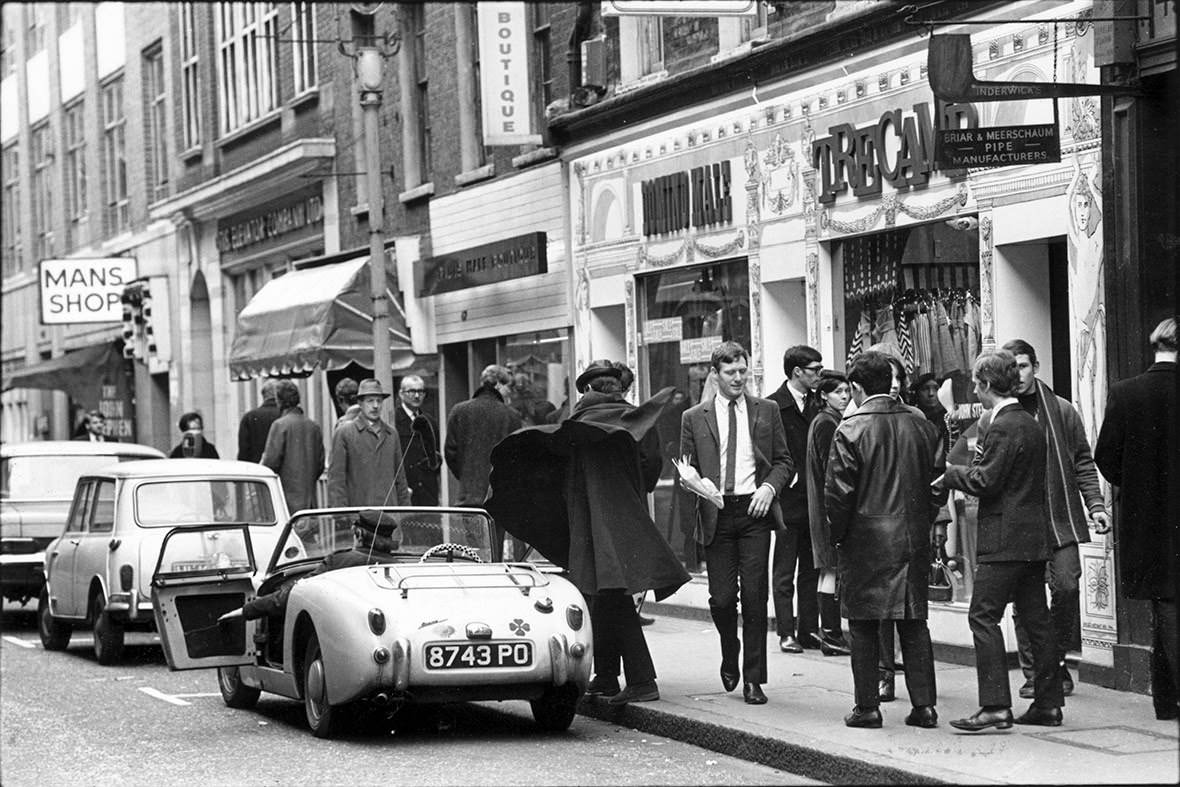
column 203, row 501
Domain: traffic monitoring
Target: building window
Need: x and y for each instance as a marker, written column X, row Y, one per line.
column 189, row 84
column 69, row 14
column 37, row 22
column 8, row 32
column 114, row 156
column 421, row 109
column 11, row 208
column 542, row 53
column 641, row 47
column 42, row 155
column 303, row 48
column 247, row 88
column 477, row 144
column 155, row 126
column 75, row 127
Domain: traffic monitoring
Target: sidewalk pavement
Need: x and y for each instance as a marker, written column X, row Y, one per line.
column 1108, row 737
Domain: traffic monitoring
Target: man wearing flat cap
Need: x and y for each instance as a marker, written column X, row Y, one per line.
column 365, row 468
column 376, row 539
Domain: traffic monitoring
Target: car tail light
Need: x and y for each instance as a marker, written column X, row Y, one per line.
column 376, row 621
column 574, row 616
column 126, row 575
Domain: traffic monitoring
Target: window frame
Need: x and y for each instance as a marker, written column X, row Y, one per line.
column 247, row 63
column 10, row 226
column 541, row 24
column 190, row 77
column 116, row 211
column 416, row 20
column 36, row 27
column 304, row 62
column 42, row 156
column 155, row 127
column 77, row 191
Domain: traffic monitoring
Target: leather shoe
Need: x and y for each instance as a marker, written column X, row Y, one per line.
column 789, row 644
column 885, row 690
column 639, row 692
column 830, row 645
column 644, row 620
column 1041, row 717
column 808, row 640
column 753, row 695
column 868, row 718
column 1066, row 681
column 1167, row 714
column 1000, row 718
column 729, row 680
column 923, row 716
column 603, row 686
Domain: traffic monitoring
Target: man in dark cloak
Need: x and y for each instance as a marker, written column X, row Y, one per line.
column 577, row 492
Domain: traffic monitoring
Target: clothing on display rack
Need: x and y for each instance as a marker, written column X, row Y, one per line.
column 935, row 331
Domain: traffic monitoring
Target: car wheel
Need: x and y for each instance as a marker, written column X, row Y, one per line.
column 108, row 635
column 554, row 711
column 55, row 635
column 234, row 693
column 322, row 718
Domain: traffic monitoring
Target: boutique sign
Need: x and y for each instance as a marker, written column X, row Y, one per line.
column 696, row 198
column 511, row 258
column 898, row 149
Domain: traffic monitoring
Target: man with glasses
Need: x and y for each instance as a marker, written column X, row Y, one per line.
column 418, row 433
column 792, row 546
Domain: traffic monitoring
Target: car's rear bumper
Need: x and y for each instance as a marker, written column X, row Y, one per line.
column 131, row 608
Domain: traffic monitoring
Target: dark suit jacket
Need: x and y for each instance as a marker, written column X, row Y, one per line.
column 794, row 498
column 1008, row 477
column 106, row 438
column 700, row 441
column 1138, row 450
column 420, row 449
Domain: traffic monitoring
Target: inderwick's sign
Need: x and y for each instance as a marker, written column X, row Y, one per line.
column 511, row 258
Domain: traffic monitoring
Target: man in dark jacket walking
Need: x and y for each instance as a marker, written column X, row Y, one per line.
column 254, row 427
column 1138, row 451
column 473, row 429
column 1008, row 477
column 418, row 433
column 1071, row 480
column 295, row 449
column 881, row 507
column 577, row 492
column 366, row 465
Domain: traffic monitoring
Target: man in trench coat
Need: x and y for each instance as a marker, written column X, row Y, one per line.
column 365, row 468
column 881, row 507
column 295, row 449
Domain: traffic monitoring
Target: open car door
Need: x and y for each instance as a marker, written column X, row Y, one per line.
column 204, row 572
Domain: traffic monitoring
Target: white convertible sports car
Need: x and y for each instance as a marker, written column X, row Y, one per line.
column 439, row 620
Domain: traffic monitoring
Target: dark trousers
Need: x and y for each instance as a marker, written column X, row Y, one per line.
column 792, row 547
column 1165, row 658
column 887, row 652
column 618, row 636
column 1063, row 573
column 1023, row 584
column 737, row 564
column 915, row 649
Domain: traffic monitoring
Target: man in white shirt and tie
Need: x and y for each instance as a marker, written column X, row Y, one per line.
column 737, row 441
column 95, row 426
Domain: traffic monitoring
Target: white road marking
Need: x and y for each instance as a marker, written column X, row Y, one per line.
column 203, row 694
column 24, row 643
column 148, row 690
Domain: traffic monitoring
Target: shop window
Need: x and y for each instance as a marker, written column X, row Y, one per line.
column 539, row 364
column 189, row 84
column 684, row 313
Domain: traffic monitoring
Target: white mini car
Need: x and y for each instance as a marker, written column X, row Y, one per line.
column 441, row 620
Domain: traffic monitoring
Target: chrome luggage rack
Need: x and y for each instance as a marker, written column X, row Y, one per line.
column 515, row 573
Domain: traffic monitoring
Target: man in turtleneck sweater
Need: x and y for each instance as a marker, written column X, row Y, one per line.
column 1075, row 504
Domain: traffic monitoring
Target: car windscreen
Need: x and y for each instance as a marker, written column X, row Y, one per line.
column 206, row 500
column 315, row 536
column 49, row 477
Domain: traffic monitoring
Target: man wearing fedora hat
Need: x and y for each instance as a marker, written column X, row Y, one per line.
column 365, row 468
column 375, row 539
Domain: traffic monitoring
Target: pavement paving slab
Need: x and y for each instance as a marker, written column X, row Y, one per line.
column 1108, row 737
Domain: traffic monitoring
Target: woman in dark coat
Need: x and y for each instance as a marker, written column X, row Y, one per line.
column 833, row 393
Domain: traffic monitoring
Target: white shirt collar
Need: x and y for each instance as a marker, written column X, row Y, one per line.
column 1002, row 403
column 720, row 402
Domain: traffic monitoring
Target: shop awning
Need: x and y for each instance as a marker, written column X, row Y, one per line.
column 315, row 317
column 75, row 372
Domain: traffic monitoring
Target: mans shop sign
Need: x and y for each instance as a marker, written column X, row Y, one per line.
column 84, row 290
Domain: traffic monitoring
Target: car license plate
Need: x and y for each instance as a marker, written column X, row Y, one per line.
column 478, row 655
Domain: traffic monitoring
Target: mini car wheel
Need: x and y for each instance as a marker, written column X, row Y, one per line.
column 108, row 635
column 55, row 635
column 234, row 693
column 322, row 718
column 554, row 711
column 451, row 552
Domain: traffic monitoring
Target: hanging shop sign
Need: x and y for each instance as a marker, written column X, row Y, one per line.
column 696, row 198
column 680, row 8
column 998, row 146
column 84, row 290
column 512, row 258
column 898, row 149
column 504, row 74
column 247, row 233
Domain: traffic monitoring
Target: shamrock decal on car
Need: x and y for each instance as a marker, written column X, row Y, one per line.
column 518, row 627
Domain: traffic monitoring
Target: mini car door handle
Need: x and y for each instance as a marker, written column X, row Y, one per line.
column 114, row 544
column 75, row 541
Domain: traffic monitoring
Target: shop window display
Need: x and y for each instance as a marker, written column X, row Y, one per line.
column 683, row 314
column 914, row 292
column 540, row 380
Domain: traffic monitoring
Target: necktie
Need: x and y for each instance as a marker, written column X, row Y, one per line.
column 731, row 448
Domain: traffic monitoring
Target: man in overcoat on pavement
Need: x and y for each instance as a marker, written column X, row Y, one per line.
column 473, row 429
column 1138, row 451
column 418, row 433
column 577, row 492
column 295, row 449
column 254, row 427
column 365, row 468
column 881, row 508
